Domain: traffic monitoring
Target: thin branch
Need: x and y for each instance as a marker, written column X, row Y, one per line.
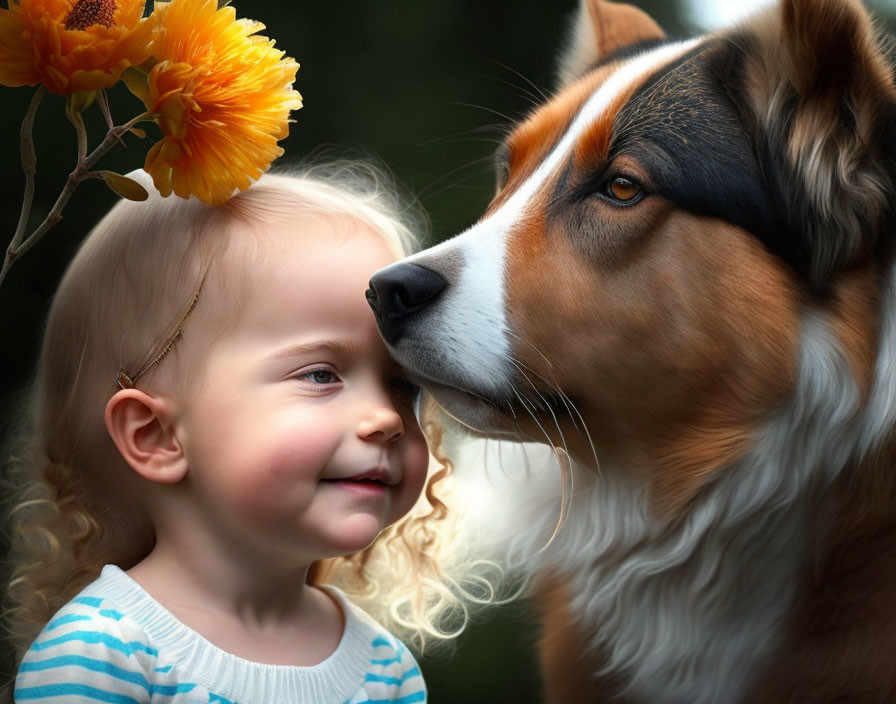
column 104, row 107
column 29, row 166
column 29, row 162
column 80, row 174
column 75, row 118
column 103, row 101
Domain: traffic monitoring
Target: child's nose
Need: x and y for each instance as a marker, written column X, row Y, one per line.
column 381, row 424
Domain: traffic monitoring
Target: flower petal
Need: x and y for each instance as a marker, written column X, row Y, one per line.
column 223, row 94
column 35, row 45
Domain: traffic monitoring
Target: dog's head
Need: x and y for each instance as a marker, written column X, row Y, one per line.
column 660, row 228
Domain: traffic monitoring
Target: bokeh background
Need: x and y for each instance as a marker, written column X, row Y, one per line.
column 426, row 88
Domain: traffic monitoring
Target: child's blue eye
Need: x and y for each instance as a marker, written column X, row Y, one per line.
column 319, row 376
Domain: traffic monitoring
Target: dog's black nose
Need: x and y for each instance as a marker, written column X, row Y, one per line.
column 398, row 292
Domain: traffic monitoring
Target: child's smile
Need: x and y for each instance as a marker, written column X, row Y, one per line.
column 372, row 482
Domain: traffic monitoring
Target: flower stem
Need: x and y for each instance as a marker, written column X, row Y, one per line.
column 104, row 107
column 29, row 166
column 81, row 131
column 81, row 173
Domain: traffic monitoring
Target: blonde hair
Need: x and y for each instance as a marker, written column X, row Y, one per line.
column 120, row 296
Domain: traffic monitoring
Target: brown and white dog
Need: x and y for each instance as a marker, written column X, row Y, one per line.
column 687, row 279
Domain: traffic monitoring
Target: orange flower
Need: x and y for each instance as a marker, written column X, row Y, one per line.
column 71, row 46
column 223, row 95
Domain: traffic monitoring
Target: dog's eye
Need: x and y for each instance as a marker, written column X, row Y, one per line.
column 623, row 190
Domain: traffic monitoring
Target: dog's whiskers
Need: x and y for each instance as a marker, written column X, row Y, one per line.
column 525, row 93
column 500, row 131
column 428, row 192
column 557, row 391
column 457, row 183
column 542, row 95
column 565, row 473
column 483, row 107
column 547, row 405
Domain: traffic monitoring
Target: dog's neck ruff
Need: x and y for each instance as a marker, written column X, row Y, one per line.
column 690, row 607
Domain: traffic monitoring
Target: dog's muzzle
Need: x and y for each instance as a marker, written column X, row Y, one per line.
column 399, row 292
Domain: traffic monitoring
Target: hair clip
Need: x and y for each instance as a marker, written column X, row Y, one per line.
column 125, row 381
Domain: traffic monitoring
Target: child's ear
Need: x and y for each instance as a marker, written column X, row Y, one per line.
column 142, row 428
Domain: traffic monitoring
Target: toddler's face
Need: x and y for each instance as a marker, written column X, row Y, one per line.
column 302, row 437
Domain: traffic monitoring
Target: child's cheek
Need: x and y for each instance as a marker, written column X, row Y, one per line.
column 288, row 476
column 274, row 477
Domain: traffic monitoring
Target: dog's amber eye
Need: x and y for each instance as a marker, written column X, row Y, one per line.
column 623, row 189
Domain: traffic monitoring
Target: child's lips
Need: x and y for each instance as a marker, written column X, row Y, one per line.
column 372, row 482
column 365, row 487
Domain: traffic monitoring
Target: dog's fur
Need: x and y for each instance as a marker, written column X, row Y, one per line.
column 713, row 341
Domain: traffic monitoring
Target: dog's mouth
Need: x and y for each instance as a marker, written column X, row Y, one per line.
column 473, row 408
column 483, row 414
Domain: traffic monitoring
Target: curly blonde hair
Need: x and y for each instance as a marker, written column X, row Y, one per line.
column 71, row 514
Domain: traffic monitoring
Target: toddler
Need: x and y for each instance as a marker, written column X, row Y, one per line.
column 215, row 418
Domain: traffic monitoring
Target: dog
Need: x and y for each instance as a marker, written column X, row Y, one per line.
column 686, row 280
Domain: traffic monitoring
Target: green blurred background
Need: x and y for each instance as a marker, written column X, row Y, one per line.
column 427, row 88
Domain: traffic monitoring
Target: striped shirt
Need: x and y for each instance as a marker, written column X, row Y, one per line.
column 114, row 643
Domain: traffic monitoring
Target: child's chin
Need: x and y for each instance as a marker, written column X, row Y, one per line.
column 358, row 532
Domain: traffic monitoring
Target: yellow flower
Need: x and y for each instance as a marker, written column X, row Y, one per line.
column 223, row 95
column 71, row 46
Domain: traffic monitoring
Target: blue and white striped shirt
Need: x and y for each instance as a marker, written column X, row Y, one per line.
column 114, row 643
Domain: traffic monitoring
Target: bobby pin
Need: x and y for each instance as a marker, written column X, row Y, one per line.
column 125, row 381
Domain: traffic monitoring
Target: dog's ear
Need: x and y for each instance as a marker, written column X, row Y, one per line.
column 819, row 78
column 600, row 28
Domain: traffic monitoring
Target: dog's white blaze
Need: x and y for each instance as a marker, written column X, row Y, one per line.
column 469, row 330
column 482, row 331
column 471, row 326
column 512, row 211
